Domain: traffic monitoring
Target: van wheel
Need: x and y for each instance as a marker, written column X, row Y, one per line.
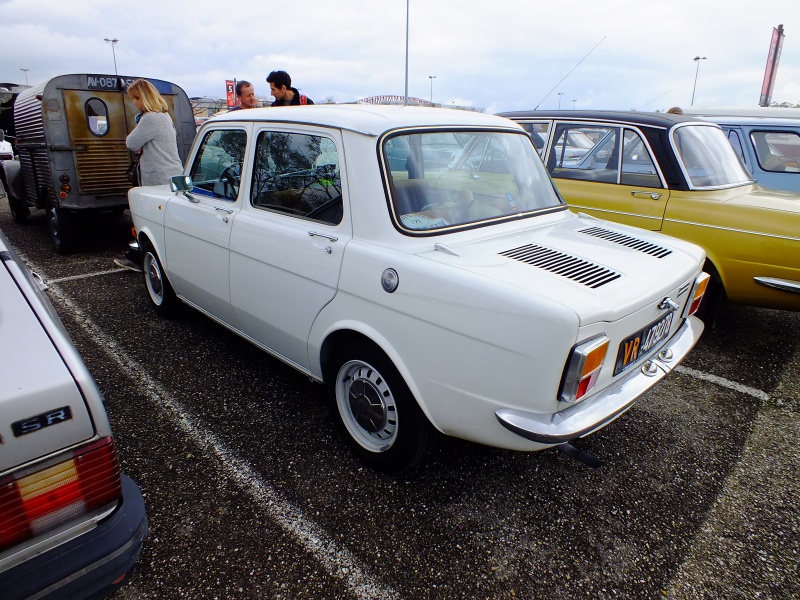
column 379, row 416
column 159, row 289
column 61, row 226
column 19, row 209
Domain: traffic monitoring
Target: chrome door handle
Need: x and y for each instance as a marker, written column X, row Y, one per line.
column 653, row 195
column 223, row 209
column 323, row 235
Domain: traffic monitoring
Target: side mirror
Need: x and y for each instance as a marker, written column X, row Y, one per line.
column 181, row 183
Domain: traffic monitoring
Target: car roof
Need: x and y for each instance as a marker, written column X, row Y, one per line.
column 749, row 114
column 663, row 120
column 366, row 118
column 766, row 121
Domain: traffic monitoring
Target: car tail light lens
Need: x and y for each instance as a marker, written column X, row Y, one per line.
column 696, row 295
column 583, row 368
column 38, row 502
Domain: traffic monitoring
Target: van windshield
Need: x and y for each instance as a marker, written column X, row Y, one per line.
column 441, row 180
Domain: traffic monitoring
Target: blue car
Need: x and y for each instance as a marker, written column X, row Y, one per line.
column 767, row 140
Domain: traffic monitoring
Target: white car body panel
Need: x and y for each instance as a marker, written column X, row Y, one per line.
column 25, row 393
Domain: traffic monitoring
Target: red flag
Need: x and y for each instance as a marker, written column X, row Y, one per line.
column 230, row 92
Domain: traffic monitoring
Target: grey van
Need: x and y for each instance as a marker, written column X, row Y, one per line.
column 70, row 138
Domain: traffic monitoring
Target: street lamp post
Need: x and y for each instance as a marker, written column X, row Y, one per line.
column 405, row 99
column 697, row 60
column 559, row 99
column 574, row 100
column 113, row 52
column 431, row 77
column 26, row 74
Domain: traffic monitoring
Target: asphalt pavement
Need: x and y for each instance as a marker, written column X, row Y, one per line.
column 251, row 493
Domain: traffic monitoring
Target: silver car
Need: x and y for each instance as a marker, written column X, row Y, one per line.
column 71, row 526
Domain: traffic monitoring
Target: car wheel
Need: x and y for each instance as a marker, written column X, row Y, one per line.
column 159, row 289
column 61, row 227
column 379, row 416
column 19, row 209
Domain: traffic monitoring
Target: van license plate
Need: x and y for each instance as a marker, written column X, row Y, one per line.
column 640, row 343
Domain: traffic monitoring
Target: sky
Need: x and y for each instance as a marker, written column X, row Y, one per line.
column 495, row 56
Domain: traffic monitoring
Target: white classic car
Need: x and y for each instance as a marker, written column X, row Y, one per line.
column 456, row 294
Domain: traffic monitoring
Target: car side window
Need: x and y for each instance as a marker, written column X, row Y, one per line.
column 538, row 133
column 777, row 151
column 217, row 167
column 586, row 152
column 297, row 174
column 637, row 165
column 736, row 144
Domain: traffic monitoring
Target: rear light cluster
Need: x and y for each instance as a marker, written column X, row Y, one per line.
column 66, row 188
column 583, row 368
column 38, row 502
column 696, row 295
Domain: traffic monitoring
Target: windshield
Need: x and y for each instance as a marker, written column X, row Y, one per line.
column 476, row 177
column 707, row 157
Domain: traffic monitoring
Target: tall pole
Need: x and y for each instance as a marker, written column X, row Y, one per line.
column 26, row 74
column 431, row 77
column 697, row 60
column 559, row 99
column 113, row 52
column 405, row 100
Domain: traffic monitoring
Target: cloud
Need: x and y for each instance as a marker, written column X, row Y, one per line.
column 501, row 55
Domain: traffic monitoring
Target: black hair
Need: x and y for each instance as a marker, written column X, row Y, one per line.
column 279, row 79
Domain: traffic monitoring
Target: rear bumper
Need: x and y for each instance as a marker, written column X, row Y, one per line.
column 584, row 418
column 90, row 566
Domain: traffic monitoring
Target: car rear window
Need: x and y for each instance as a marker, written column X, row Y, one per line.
column 707, row 158
column 440, row 180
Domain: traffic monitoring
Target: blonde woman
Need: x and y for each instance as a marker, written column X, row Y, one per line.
column 154, row 135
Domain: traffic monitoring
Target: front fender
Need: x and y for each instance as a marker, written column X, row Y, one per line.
column 148, row 209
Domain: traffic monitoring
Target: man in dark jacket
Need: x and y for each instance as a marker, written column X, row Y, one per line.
column 280, row 86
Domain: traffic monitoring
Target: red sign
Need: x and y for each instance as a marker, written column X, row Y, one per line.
column 773, row 57
column 230, row 92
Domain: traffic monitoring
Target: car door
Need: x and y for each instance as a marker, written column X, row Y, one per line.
column 617, row 179
column 287, row 244
column 197, row 226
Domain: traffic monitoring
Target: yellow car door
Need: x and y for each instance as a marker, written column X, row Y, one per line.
column 616, row 180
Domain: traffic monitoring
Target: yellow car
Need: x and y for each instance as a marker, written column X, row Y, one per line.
column 680, row 176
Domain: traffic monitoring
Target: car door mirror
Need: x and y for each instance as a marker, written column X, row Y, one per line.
column 181, row 183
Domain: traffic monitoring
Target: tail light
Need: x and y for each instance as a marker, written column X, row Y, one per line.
column 696, row 295
column 583, row 368
column 40, row 501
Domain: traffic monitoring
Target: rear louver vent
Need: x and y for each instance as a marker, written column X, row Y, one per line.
column 626, row 240
column 577, row 269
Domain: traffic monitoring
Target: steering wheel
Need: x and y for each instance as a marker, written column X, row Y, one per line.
column 230, row 178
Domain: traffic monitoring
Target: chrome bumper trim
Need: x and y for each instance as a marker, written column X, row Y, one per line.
column 584, row 418
column 785, row 285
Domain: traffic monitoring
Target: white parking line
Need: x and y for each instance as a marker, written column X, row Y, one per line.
column 338, row 561
column 722, row 382
column 84, row 276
